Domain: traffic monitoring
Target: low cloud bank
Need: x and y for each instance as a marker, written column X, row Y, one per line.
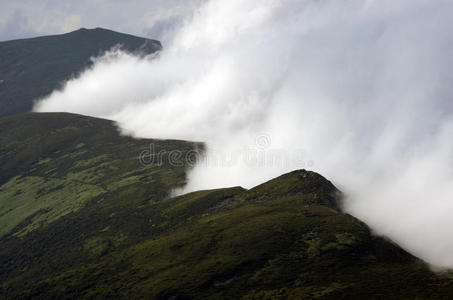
column 359, row 91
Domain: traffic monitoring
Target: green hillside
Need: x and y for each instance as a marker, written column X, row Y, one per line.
column 33, row 68
column 82, row 218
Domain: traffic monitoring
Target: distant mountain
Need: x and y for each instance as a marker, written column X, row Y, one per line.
column 33, row 68
column 82, row 218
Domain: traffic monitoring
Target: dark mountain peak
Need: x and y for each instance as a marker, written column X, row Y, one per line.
column 23, row 77
column 312, row 187
column 83, row 30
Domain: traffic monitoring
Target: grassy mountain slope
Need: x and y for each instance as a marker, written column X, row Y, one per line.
column 53, row 164
column 33, row 68
column 82, row 218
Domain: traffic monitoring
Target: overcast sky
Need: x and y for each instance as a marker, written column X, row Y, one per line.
column 150, row 18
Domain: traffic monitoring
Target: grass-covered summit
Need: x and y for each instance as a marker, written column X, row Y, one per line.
column 32, row 68
column 81, row 217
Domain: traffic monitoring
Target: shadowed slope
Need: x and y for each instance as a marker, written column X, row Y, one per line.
column 82, row 218
column 33, row 68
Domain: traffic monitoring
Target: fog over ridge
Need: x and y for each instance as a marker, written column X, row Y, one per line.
column 359, row 91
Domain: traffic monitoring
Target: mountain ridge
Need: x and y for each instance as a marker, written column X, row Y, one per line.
column 32, row 68
column 286, row 238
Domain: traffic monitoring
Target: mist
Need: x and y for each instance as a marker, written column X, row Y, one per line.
column 359, row 91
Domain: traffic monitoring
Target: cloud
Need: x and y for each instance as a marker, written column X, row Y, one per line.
column 359, row 91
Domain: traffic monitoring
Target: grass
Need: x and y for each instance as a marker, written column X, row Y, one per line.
column 91, row 222
column 39, row 201
column 51, row 183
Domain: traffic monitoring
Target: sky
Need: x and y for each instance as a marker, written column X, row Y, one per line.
column 358, row 90
column 30, row 18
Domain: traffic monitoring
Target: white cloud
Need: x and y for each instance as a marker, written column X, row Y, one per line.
column 361, row 88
